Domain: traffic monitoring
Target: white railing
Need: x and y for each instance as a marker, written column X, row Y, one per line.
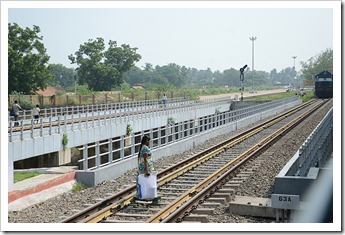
column 318, row 147
column 97, row 115
column 69, row 110
column 128, row 146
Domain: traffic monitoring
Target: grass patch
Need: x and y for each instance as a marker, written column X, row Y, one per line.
column 78, row 187
column 20, row 176
column 308, row 96
column 271, row 97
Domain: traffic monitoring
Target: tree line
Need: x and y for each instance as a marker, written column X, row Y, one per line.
column 107, row 67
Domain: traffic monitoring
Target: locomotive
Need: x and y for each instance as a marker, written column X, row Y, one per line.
column 324, row 85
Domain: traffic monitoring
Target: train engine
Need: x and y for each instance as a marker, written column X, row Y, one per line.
column 324, row 85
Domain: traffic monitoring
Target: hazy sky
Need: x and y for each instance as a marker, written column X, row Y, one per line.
column 197, row 35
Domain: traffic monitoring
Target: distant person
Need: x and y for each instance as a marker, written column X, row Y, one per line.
column 16, row 108
column 164, row 100
column 36, row 113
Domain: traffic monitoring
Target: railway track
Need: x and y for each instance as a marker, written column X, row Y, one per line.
column 190, row 188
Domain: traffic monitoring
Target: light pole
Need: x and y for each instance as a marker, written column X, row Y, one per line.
column 293, row 70
column 252, row 39
column 294, row 58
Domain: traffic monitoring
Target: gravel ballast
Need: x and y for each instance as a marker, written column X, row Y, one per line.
column 56, row 209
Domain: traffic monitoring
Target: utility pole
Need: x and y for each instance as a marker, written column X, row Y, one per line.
column 294, row 70
column 252, row 39
column 294, row 57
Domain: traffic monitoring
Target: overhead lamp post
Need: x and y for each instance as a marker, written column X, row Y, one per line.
column 294, row 69
column 294, row 58
column 252, row 39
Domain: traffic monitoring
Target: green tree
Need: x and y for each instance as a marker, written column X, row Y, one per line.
column 148, row 67
column 232, row 78
column 134, row 76
column 205, row 77
column 27, row 60
column 63, row 76
column 273, row 75
column 173, row 73
column 318, row 64
column 103, row 69
column 192, row 74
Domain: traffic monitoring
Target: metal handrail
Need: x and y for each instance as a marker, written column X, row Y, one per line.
column 93, row 118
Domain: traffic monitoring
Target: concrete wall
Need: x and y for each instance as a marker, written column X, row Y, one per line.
column 299, row 173
column 296, row 185
column 31, row 147
column 51, row 144
column 91, row 178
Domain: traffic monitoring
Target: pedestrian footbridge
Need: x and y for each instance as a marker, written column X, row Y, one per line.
column 103, row 140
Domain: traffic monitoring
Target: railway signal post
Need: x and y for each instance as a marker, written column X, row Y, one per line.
column 242, row 79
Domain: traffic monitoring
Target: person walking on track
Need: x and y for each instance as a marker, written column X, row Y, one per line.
column 145, row 161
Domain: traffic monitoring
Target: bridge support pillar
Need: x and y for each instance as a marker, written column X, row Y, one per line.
column 64, row 156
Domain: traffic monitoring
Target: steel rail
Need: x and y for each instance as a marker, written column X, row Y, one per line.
column 184, row 205
column 100, row 210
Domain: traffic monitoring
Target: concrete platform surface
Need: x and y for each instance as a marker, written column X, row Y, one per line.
column 252, row 206
column 51, row 183
column 245, row 94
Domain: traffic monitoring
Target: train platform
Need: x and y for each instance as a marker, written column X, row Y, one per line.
column 52, row 182
column 245, row 94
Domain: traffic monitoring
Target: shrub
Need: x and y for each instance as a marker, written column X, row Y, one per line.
column 129, row 129
column 78, row 187
column 64, row 140
column 23, row 100
column 171, row 121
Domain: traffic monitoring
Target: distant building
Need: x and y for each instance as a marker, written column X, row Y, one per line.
column 283, row 85
column 137, row 87
column 50, row 91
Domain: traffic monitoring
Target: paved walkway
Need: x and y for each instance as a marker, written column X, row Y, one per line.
column 51, row 183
